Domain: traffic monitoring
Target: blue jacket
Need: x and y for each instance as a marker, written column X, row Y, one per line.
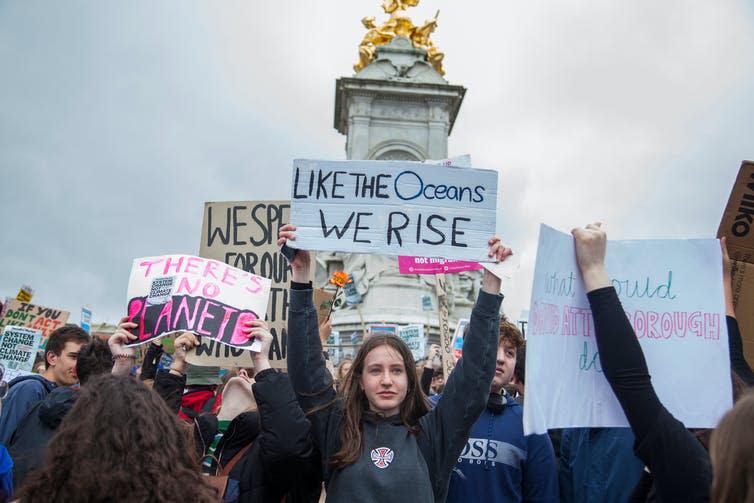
column 499, row 464
column 598, row 465
column 24, row 392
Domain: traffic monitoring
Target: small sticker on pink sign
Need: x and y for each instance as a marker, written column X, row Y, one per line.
column 429, row 265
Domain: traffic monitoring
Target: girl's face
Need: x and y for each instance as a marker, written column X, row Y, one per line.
column 384, row 380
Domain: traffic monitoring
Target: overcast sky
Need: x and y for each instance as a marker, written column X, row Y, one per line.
column 118, row 120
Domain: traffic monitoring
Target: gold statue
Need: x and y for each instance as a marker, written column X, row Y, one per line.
column 420, row 38
column 399, row 25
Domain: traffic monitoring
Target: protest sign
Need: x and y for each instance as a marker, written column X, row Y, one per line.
column 387, row 328
column 351, row 293
column 176, row 293
column 244, row 234
column 18, row 347
column 25, row 293
column 430, row 265
column 413, row 336
column 44, row 319
column 736, row 225
column 86, row 318
column 672, row 294
column 426, row 302
column 212, row 353
column 323, row 301
column 458, row 338
column 394, row 208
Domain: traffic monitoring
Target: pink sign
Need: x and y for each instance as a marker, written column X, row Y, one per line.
column 429, row 265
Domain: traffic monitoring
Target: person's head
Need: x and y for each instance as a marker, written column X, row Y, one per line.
column 382, row 380
column 732, row 454
column 438, row 381
column 343, row 368
column 61, row 354
column 519, row 371
column 509, row 342
column 237, row 396
column 94, row 358
column 124, row 433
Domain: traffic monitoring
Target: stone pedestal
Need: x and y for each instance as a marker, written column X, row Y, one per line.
column 396, row 108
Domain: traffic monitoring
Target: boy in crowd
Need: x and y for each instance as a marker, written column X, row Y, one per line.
column 60, row 360
column 499, row 463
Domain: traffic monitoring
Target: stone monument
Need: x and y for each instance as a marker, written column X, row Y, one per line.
column 397, row 106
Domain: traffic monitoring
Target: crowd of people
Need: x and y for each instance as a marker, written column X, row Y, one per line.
column 378, row 427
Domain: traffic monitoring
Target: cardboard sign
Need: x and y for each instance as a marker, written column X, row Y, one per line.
column 323, row 300
column 182, row 293
column 413, row 336
column 394, row 208
column 244, row 235
column 44, row 319
column 18, row 347
column 736, row 225
column 671, row 291
column 429, row 265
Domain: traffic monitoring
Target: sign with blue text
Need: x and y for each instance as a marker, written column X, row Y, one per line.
column 671, row 291
column 393, row 208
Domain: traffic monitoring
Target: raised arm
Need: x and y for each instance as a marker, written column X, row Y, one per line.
column 306, row 364
column 678, row 462
column 286, row 447
column 466, row 390
column 735, row 345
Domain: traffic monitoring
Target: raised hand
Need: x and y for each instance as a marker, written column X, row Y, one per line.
column 257, row 329
column 490, row 282
column 591, row 244
column 301, row 262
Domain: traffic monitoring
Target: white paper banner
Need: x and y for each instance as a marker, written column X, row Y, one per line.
column 671, row 291
column 175, row 293
column 394, row 208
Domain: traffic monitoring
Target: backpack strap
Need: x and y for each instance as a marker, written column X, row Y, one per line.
column 225, row 470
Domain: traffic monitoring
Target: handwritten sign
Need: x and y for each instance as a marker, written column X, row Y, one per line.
column 244, row 234
column 18, row 347
column 671, row 291
column 175, row 293
column 44, row 319
column 394, row 208
column 413, row 336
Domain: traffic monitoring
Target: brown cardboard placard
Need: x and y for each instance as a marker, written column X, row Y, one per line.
column 44, row 319
column 737, row 225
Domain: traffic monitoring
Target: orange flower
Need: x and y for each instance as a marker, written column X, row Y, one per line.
column 340, row 279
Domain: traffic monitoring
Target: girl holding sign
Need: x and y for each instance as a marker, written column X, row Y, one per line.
column 380, row 441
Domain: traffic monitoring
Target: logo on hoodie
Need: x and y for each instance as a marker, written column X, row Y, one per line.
column 382, row 457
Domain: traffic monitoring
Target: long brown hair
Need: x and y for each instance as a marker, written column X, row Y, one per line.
column 732, row 454
column 119, row 442
column 355, row 401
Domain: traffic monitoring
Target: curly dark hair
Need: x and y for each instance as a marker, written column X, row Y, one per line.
column 119, row 443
